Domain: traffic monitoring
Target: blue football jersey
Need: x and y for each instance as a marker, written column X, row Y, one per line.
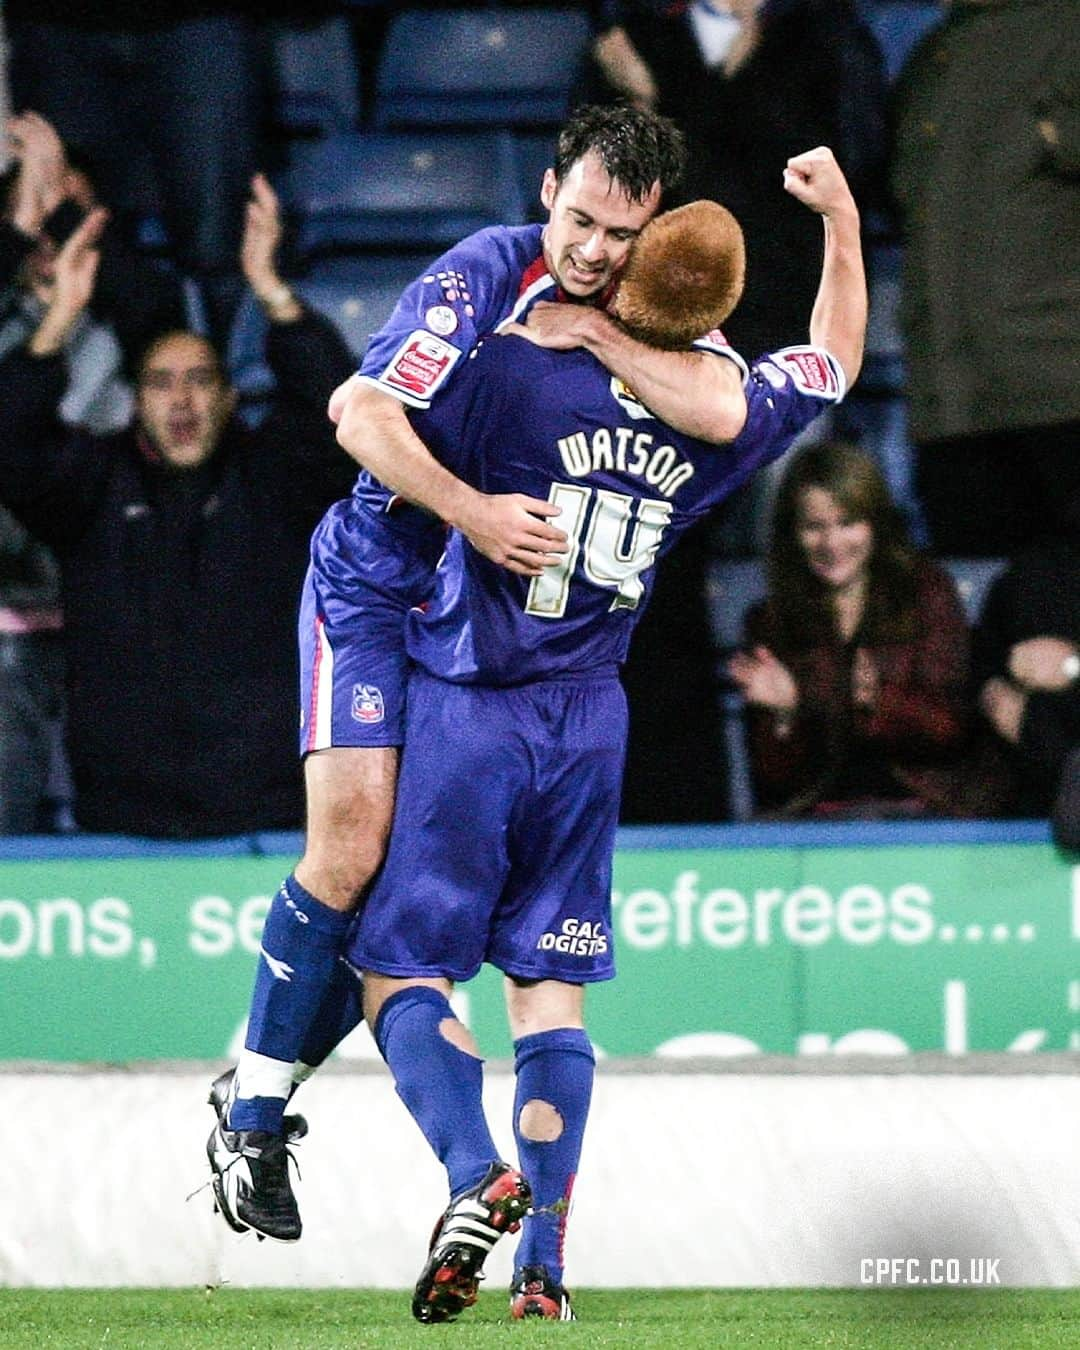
column 493, row 277
column 557, row 425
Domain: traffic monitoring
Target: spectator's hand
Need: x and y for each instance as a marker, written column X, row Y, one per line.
column 74, row 273
column 865, row 680
column 77, row 263
column 512, row 530
column 1041, row 663
column 764, row 680
column 624, row 67
column 40, row 183
column 258, row 253
column 1003, row 705
column 262, row 235
column 815, row 179
column 559, row 327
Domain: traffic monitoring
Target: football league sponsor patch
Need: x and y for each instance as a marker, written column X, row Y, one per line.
column 441, row 319
column 810, row 371
column 420, row 364
column 367, row 704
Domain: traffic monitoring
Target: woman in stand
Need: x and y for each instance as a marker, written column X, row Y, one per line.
column 856, row 667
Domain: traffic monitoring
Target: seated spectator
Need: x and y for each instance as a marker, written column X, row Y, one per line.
column 182, row 542
column 1027, row 664
column 856, row 668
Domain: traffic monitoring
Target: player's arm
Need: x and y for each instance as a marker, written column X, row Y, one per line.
column 838, row 319
column 694, row 392
column 510, row 529
column 703, row 396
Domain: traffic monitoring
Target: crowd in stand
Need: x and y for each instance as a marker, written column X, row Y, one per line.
column 152, row 541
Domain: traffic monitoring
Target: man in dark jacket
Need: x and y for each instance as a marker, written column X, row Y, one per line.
column 986, row 171
column 182, row 543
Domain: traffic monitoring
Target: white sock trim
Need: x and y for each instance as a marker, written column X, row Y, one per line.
column 261, row 1076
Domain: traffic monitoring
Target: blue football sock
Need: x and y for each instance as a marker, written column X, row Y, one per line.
column 340, row 1012
column 301, row 943
column 441, row 1085
column 555, row 1067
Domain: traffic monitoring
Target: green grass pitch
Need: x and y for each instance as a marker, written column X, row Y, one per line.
column 308, row 1319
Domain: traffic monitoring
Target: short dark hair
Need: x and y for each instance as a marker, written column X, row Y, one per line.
column 637, row 148
column 150, row 350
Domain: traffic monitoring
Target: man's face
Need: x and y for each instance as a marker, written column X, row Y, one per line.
column 591, row 226
column 183, row 400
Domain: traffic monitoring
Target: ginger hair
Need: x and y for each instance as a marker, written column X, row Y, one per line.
column 684, row 275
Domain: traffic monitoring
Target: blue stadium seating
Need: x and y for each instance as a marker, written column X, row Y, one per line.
column 534, row 151
column 732, row 587
column 357, row 294
column 899, row 26
column 401, row 190
column 479, row 67
column 877, row 420
column 316, row 80
column 883, row 369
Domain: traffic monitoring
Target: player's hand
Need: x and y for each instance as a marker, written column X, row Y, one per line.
column 561, row 328
column 1039, row 663
column 513, row 531
column 815, row 179
column 764, row 680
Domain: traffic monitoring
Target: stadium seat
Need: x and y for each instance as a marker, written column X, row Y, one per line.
column 898, row 27
column 357, row 294
column 878, row 421
column 732, row 587
column 883, row 368
column 479, row 67
column 316, row 81
column 534, row 151
column 401, row 190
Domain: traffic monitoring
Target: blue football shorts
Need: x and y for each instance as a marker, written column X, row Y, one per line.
column 503, row 835
column 363, row 578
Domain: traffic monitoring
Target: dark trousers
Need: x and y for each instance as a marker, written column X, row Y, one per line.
column 186, row 99
column 31, row 700
column 988, row 496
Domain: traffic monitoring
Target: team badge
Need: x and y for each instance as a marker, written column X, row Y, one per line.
column 625, row 397
column 367, row 704
column 441, row 319
column 420, row 364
